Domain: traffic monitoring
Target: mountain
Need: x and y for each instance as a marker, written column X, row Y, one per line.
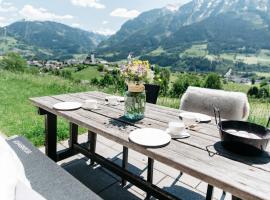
column 164, row 35
column 49, row 40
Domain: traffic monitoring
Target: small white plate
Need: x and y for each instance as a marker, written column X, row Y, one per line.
column 150, row 137
column 184, row 134
column 199, row 116
column 65, row 106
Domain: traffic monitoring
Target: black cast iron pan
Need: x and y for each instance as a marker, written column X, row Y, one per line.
column 243, row 137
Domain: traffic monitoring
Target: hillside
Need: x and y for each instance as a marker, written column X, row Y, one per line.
column 49, row 40
column 162, row 35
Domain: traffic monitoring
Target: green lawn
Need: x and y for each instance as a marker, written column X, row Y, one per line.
column 86, row 74
column 18, row 116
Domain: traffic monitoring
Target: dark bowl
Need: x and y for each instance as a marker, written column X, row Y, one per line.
column 244, row 145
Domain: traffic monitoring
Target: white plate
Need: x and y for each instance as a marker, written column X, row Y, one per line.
column 150, row 137
column 67, row 106
column 184, row 134
column 199, row 116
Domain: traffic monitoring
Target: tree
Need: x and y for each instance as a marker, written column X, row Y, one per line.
column 253, row 80
column 162, row 78
column 212, row 81
column 183, row 82
column 13, row 62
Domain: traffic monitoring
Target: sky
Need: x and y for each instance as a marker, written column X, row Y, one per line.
column 101, row 16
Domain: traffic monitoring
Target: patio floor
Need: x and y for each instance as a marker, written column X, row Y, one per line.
column 107, row 185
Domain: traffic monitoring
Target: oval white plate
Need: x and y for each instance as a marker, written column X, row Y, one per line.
column 150, row 137
column 199, row 116
column 67, row 106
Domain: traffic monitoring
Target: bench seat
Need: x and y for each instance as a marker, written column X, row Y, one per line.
column 46, row 177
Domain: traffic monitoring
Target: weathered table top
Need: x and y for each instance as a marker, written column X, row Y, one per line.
column 200, row 156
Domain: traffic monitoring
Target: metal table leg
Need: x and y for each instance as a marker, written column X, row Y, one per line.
column 51, row 136
column 150, row 168
column 209, row 194
column 92, row 138
column 124, row 163
column 73, row 135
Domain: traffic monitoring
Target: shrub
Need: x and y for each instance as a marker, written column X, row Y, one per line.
column 95, row 81
column 106, row 80
column 253, row 92
column 80, row 67
column 263, row 92
column 100, row 68
column 66, row 74
column 13, row 62
column 183, row 82
column 212, row 81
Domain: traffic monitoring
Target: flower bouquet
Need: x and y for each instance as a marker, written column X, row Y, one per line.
column 136, row 73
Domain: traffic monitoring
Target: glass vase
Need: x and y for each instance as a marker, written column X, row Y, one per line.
column 135, row 105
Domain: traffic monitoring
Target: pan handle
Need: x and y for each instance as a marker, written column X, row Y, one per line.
column 217, row 111
column 268, row 123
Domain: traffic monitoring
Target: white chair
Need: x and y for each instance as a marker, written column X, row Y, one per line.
column 232, row 105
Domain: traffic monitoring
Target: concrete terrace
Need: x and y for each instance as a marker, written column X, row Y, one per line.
column 107, row 185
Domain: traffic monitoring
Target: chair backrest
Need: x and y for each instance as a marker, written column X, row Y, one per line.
column 152, row 92
column 232, row 105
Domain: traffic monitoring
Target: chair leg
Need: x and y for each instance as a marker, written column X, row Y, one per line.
column 150, row 171
column 124, row 163
column 209, row 193
column 92, row 139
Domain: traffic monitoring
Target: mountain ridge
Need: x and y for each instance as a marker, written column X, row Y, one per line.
column 48, row 39
column 225, row 25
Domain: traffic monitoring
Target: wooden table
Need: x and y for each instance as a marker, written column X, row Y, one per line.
column 200, row 156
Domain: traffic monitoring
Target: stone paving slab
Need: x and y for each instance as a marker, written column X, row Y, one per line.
column 107, row 184
column 117, row 192
column 94, row 177
column 179, row 189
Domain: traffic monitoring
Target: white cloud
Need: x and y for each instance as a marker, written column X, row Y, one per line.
column 31, row 13
column 7, row 7
column 105, row 22
column 88, row 3
column 124, row 13
column 3, row 21
column 105, row 32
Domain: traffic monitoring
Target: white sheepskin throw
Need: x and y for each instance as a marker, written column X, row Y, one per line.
column 232, row 105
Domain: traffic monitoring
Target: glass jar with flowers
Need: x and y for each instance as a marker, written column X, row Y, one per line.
column 136, row 72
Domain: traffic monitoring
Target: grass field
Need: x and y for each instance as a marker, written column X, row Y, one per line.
column 19, row 116
column 200, row 50
column 86, row 74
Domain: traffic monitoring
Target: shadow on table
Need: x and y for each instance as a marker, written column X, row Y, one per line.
column 219, row 149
